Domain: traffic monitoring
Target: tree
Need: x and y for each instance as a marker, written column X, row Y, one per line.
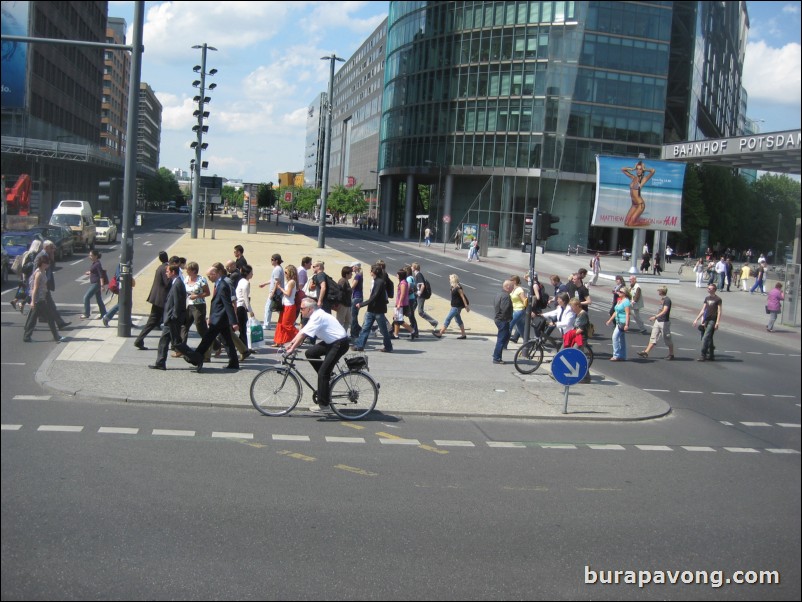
column 694, row 214
column 266, row 196
column 233, row 196
column 775, row 195
column 346, row 201
column 162, row 188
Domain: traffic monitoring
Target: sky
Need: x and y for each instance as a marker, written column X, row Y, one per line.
column 269, row 71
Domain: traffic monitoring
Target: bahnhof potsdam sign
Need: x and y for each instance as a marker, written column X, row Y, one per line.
column 772, row 151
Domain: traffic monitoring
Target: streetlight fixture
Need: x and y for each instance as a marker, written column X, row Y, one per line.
column 200, row 129
column 321, row 236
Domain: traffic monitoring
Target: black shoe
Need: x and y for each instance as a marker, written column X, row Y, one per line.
column 248, row 353
column 26, row 340
column 140, row 345
column 64, row 325
column 192, row 358
column 232, row 367
column 199, row 366
column 157, row 367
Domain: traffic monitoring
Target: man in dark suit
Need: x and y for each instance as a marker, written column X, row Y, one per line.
column 156, row 298
column 175, row 314
column 222, row 320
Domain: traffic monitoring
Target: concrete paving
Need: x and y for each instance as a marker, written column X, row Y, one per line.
column 447, row 377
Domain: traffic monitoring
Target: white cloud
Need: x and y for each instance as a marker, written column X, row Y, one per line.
column 772, row 75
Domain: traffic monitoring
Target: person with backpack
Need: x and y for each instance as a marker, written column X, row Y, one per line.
column 328, row 291
column 424, row 293
column 519, row 302
column 26, row 268
column 39, row 308
column 344, row 309
column 376, row 309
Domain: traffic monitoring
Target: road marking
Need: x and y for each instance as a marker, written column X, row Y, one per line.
column 398, row 441
column 755, row 423
column 606, row 446
column 782, row 451
column 11, row 427
column 725, row 423
column 698, row 448
column 785, row 396
column 658, row 390
column 118, row 430
column 654, row 447
column 692, row 392
column 788, row 425
column 12, row 363
column 452, row 443
column 506, row 444
column 296, row 455
column 359, row 471
column 56, row 428
column 742, row 450
column 32, row 397
column 753, row 394
column 173, row 433
column 557, row 446
column 290, row 437
column 227, row 435
column 345, row 440
column 721, row 393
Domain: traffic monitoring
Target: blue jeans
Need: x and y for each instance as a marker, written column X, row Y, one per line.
column 370, row 318
column 454, row 314
column 707, row 339
column 94, row 290
column 758, row 285
column 619, row 343
column 516, row 326
column 502, row 338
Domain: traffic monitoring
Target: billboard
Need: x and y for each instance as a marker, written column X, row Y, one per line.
column 15, row 54
column 638, row 193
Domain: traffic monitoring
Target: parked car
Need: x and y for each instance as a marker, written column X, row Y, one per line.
column 329, row 219
column 5, row 266
column 60, row 236
column 105, row 230
column 16, row 243
column 184, row 209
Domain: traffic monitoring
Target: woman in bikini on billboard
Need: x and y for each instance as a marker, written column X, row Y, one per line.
column 638, row 175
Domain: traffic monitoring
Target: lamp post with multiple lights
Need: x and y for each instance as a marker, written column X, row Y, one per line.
column 324, row 192
column 200, row 129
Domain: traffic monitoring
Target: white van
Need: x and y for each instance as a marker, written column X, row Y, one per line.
column 78, row 216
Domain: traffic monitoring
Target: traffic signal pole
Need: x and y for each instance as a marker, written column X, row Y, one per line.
column 532, row 253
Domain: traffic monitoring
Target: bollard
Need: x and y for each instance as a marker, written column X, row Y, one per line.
column 212, row 233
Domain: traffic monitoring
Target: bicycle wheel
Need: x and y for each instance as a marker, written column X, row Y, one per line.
column 679, row 271
column 275, row 391
column 529, row 357
column 353, row 395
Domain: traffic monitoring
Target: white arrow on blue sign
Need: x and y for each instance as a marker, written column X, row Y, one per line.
column 569, row 366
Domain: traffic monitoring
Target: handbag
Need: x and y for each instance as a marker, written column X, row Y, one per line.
column 256, row 334
column 275, row 300
column 398, row 314
column 767, row 310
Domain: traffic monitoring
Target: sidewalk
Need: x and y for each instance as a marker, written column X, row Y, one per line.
column 457, row 376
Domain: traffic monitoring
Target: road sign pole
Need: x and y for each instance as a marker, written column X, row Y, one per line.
column 565, row 406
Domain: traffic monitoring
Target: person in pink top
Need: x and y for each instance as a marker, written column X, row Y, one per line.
column 773, row 306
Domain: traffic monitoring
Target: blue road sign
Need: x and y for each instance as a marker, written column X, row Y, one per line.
column 569, row 366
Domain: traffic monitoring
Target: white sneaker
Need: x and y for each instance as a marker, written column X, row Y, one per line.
column 319, row 409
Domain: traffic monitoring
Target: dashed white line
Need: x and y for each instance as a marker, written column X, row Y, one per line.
column 654, row 447
column 781, row 451
column 450, row 443
column 658, row 390
column 742, row 450
column 557, row 446
column 755, row 423
column 693, row 392
column 384, row 441
column 11, row 427
column 721, row 393
column 118, row 430
column 59, row 428
column 290, row 437
column 788, row 425
column 345, row 439
column 606, row 446
column 173, row 433
column 32, row 397
column 228, row 435
column 698, row 448
column 753, row 394
column 506, row 444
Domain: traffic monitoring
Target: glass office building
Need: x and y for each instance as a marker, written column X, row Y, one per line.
column 502, row 107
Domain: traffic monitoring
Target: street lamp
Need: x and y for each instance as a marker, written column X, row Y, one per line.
column 321, row 236
column 374, row 211
column 439, row 197
column 200, row 129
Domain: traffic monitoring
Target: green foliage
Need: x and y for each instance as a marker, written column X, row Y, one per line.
column 162, row 188
column 266, row 196
column 303, row 199
column 348, row 201
column 694, row 214
column 233, row 196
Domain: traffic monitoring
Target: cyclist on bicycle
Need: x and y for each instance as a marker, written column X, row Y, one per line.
column 331, row 345
column 562, row 318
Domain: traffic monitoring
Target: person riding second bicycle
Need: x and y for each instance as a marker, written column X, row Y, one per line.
column 332, row 342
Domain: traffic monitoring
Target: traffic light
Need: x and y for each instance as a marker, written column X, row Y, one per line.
column 544, row 222
column 104, row 194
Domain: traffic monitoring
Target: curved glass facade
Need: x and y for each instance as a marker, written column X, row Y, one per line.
column 502, row 107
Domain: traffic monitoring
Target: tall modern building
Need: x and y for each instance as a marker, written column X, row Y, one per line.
column 149, row 128
column 116, row 74
column 502, row 107
column 315, row 138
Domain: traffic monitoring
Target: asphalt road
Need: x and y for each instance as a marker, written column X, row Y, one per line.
column 120, row 501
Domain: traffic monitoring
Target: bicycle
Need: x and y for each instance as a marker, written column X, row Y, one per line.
column 275, row 391
column 540, row 348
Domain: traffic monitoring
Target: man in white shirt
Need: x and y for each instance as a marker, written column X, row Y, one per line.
column 332, row 344
column 721, row 270
column 562, row 317
column 276, row 278
column 637, row 305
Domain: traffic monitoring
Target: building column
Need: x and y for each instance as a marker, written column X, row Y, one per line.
column 449, row 191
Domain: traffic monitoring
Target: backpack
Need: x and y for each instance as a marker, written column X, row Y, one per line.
column 345, row 294
column 333, row 293
column 543, row 303
column 114, row 283
column 389, row 287
column 427, row 290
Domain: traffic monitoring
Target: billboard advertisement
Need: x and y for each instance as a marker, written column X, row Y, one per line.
column 638, row 193
column 15, row 54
